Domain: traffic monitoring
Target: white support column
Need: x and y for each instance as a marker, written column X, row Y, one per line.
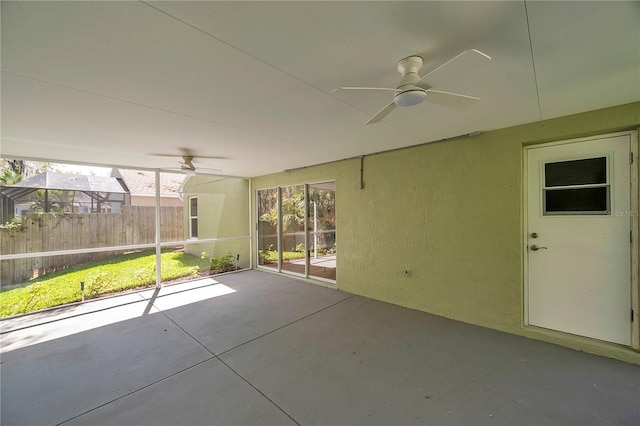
column 158, row 246
column 253, row 229
column 307, row 258
column 315, row 230
column 279, row 232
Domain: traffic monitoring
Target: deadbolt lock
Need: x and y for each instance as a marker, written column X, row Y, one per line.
column 534, row 235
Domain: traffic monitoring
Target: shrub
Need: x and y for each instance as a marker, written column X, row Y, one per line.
column 265, row 255
column 220, row 264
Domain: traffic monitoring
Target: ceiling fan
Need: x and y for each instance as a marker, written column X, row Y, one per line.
column 186, row 165
column 413, row 89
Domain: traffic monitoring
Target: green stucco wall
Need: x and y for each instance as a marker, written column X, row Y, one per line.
column 223, row 212
column 452, row 213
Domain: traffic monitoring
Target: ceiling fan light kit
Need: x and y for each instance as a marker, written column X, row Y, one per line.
column 187, row 171
column 413, row 89
column 410, row 97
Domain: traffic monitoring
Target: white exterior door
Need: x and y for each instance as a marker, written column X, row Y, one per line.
column 578, row 238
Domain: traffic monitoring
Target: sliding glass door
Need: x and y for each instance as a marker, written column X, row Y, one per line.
column 297, row 230
column 268, row 240
column 322, row 230
column 293, row 234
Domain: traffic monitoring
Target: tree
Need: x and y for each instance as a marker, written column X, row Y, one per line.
column 14, row 171
column 51, row 200
column 292, row 209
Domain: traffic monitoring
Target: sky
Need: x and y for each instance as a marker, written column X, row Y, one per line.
column 82, row 170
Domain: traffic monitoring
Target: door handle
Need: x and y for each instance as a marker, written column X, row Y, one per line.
column 536, row 248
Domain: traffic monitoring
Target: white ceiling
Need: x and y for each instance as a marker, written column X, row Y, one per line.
column 110, row 83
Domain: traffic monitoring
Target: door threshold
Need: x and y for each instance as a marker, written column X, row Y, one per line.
column 583, row 344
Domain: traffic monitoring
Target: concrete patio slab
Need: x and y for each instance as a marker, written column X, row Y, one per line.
column 207, row 394
column 258, row 348
column 94, row 305
column 39, row 331
column 68, row 311
column 368, row 362
column 61, row 377
column 261, row 303
column 177, row 287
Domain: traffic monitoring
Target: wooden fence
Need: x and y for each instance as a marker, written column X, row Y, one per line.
column 41, row 232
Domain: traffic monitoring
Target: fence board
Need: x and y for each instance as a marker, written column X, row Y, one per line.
column 51, row 231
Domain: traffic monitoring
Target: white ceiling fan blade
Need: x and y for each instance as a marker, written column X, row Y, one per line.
column 190, row 171
column 178, row 170
column 452, row 100
column 187, row 153
column 165, row 155
column 210, row 157
column 459, row 55
column 382, row 113
column 364, row 88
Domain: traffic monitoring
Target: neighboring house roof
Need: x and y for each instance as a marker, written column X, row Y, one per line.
column 143, row 183
column 65, row 182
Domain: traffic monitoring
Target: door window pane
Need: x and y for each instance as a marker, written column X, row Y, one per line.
column 577, row 201
column 576, row 172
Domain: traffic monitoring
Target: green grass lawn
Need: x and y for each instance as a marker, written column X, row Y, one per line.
column 272, row 256
column 107, row 276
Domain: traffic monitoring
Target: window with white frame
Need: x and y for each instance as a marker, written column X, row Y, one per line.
column 193, row 217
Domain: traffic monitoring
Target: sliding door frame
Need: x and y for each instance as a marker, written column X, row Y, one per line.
column 280, row 232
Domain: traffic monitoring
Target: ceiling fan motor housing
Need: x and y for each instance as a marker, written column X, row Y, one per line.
column 187, row 164
column 410, row 64
column 409, row 94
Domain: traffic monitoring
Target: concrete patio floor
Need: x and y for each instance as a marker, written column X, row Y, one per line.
column 258, row 348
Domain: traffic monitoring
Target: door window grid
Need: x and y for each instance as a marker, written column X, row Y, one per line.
column 576, row 187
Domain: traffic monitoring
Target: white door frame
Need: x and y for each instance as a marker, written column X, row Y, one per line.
column 634, row 252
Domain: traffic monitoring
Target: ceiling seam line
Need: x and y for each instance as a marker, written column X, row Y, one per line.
column 168, row 111
column 533, row 61
column 226, row 43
